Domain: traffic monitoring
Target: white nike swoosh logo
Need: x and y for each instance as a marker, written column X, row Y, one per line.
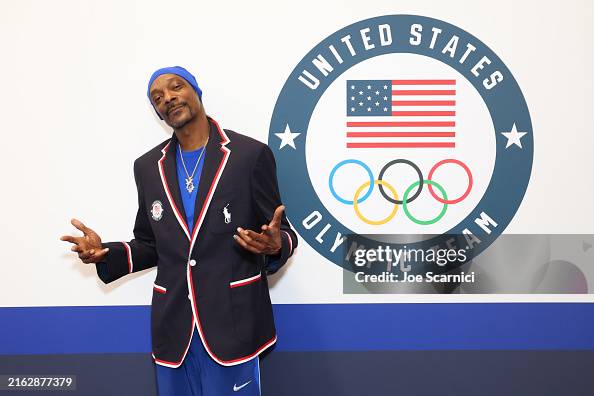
column 236, row 388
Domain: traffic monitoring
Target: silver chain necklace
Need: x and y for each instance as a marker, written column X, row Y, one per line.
column 190, row 178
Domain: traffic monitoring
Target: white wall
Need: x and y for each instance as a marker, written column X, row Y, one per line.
column 74, row 116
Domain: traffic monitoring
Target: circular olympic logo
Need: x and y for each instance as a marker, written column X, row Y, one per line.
column 401, row 124
column 407, row 198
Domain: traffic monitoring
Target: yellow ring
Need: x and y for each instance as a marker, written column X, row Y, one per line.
column 356, row 205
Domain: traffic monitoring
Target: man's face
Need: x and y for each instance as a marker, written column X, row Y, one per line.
column 175, row 100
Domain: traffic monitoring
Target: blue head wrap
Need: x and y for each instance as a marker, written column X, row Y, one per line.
column 179, row 71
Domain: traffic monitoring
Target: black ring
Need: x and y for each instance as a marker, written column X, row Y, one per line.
column 401, row 161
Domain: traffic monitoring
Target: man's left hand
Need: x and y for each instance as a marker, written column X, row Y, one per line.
column 268, row 241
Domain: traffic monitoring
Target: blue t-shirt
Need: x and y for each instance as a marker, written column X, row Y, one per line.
column 189, row 199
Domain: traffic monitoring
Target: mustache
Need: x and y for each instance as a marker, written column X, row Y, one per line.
column 175, row 106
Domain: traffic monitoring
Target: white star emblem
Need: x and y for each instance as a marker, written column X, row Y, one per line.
column 352, row 109
column 369, row 109
column 513, row 137
column 385, row 98
column 369, row 87
column 385, row 87
column 287, row 138
column 377, row 92
column 352, row 87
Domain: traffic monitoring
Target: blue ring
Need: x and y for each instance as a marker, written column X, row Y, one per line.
column 351, row 161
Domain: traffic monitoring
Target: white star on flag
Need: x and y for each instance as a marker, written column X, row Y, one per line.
column 513, row 137
column 287, row 138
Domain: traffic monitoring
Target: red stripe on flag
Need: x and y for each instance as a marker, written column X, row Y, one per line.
column 424, row 113
column 401, row 145
column 424, row 103
column 402, row 124
column 400, row 134
column 424, row 92
column 424, row 82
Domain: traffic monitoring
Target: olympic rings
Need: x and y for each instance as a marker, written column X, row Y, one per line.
column 405, row 198
column 356, row 204
column 470, row 181
column 424, row 222
column 401, row 161
column 351, row 161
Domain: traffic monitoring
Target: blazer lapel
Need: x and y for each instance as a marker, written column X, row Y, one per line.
column 168, row 171
column 215, row 159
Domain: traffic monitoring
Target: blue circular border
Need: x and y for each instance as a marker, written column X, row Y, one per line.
column 505, row 102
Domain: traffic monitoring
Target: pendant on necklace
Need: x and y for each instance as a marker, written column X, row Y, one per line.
column 190, row 184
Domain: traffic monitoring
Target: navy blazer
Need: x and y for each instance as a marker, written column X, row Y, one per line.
column 204, row 277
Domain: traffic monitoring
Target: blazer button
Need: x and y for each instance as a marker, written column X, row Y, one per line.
column 189, row 297
column 192, row 262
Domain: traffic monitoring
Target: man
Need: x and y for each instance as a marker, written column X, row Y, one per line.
column 201, row 195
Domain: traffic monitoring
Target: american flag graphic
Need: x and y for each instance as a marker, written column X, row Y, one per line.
column 401, row 113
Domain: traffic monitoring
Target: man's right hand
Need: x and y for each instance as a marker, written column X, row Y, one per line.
column 87, row 246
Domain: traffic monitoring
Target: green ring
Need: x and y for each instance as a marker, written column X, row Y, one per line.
column 424, row 222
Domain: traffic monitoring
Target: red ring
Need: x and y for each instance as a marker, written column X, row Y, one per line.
column 468, row 173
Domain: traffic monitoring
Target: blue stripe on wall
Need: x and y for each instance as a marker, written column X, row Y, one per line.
column 319, row 327
column 47, row 330
column 462, row 326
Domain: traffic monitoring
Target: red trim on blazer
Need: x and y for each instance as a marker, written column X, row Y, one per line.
column 129, row 255
column 176, row 364
column 246, row 281
column 159, row 289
